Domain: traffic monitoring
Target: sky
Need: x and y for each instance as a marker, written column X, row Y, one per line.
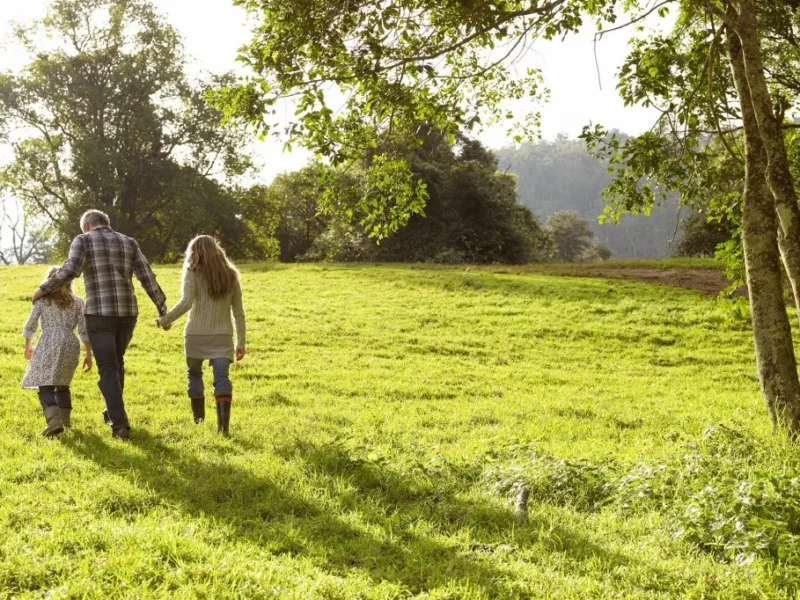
column 213, row 30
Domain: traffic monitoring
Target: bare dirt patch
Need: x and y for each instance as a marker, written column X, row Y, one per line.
column 709, row 281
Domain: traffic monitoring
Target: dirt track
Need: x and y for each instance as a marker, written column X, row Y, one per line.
column 710, row 281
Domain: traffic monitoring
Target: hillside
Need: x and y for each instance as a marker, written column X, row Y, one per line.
column 382, row 421
column 560, row 175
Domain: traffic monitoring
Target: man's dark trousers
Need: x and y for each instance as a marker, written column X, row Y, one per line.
column 110, row 337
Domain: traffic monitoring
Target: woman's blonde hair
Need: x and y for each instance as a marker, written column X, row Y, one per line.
column 62, row 296
column 204, row 255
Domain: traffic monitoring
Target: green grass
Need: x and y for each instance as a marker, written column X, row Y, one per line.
column 376, row 416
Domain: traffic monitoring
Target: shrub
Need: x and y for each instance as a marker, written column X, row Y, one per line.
column 730, row 494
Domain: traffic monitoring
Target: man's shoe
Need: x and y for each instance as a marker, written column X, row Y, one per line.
column 122, row 433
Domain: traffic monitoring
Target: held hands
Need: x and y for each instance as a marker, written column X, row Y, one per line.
column 87, row 363
column 239, row 354
column 166, row 327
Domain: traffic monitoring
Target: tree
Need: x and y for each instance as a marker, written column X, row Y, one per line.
column 253, row 235
column 108, row 119
column 397, row 64
column 573, row 239
column 30, row 239
column 704, row 234
column 298, row 197
column 472, row 214
column 700, row 96
column 402, row 60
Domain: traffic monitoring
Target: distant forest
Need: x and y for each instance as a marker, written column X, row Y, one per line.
column 560, row 175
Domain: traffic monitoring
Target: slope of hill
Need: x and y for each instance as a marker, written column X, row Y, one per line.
column 560, row 175
column 384, row 420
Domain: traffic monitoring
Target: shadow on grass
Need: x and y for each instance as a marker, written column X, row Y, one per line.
column 354, row 514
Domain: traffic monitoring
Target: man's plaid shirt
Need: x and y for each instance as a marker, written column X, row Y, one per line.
column 108, row 260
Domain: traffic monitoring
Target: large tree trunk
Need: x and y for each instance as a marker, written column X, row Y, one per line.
column 775, row 359
column 779, row 176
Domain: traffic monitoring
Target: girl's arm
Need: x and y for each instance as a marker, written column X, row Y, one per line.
column 31, row 326
column 87, row 358
column 184, row 304
column 83, row 334
column 238, row 315
column 80, row 319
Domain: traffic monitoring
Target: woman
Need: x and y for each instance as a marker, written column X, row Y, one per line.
column 211, row 293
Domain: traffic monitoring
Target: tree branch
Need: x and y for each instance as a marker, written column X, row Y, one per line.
column 505, row 18
column 599, row 35
column 729, row 17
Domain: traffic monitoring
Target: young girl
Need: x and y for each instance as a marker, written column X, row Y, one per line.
column 55, row 358
column 211, row 292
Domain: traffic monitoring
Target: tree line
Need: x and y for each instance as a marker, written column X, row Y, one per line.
column 108, row 118
column 471, row 215
column 560, row 175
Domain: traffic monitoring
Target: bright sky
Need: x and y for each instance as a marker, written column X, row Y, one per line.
column 214, row 29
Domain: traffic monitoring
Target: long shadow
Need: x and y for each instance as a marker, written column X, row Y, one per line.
column 412, row 523
column 277, row 520
column 437, row 500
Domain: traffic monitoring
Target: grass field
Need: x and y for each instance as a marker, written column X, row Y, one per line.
column 382, row 420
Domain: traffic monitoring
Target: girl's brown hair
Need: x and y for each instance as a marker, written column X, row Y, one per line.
column 62, row 296
column 204, row 255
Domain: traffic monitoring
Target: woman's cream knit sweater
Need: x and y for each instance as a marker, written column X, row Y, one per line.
column 207, row 315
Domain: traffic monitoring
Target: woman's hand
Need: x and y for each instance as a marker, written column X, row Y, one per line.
column 87, row 363
column 28, row 352
column 160, row 324
column 239, row 354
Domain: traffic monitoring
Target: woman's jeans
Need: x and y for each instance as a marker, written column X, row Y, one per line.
column 222, row 382
column 55, row 395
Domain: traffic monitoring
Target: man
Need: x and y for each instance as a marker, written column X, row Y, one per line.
column 108, row 260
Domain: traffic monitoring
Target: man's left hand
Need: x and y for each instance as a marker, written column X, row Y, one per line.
column 37, row 295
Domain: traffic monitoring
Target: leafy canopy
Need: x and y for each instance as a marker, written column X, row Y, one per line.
column 105, row 116
column 356, row 73
column 695, row 149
